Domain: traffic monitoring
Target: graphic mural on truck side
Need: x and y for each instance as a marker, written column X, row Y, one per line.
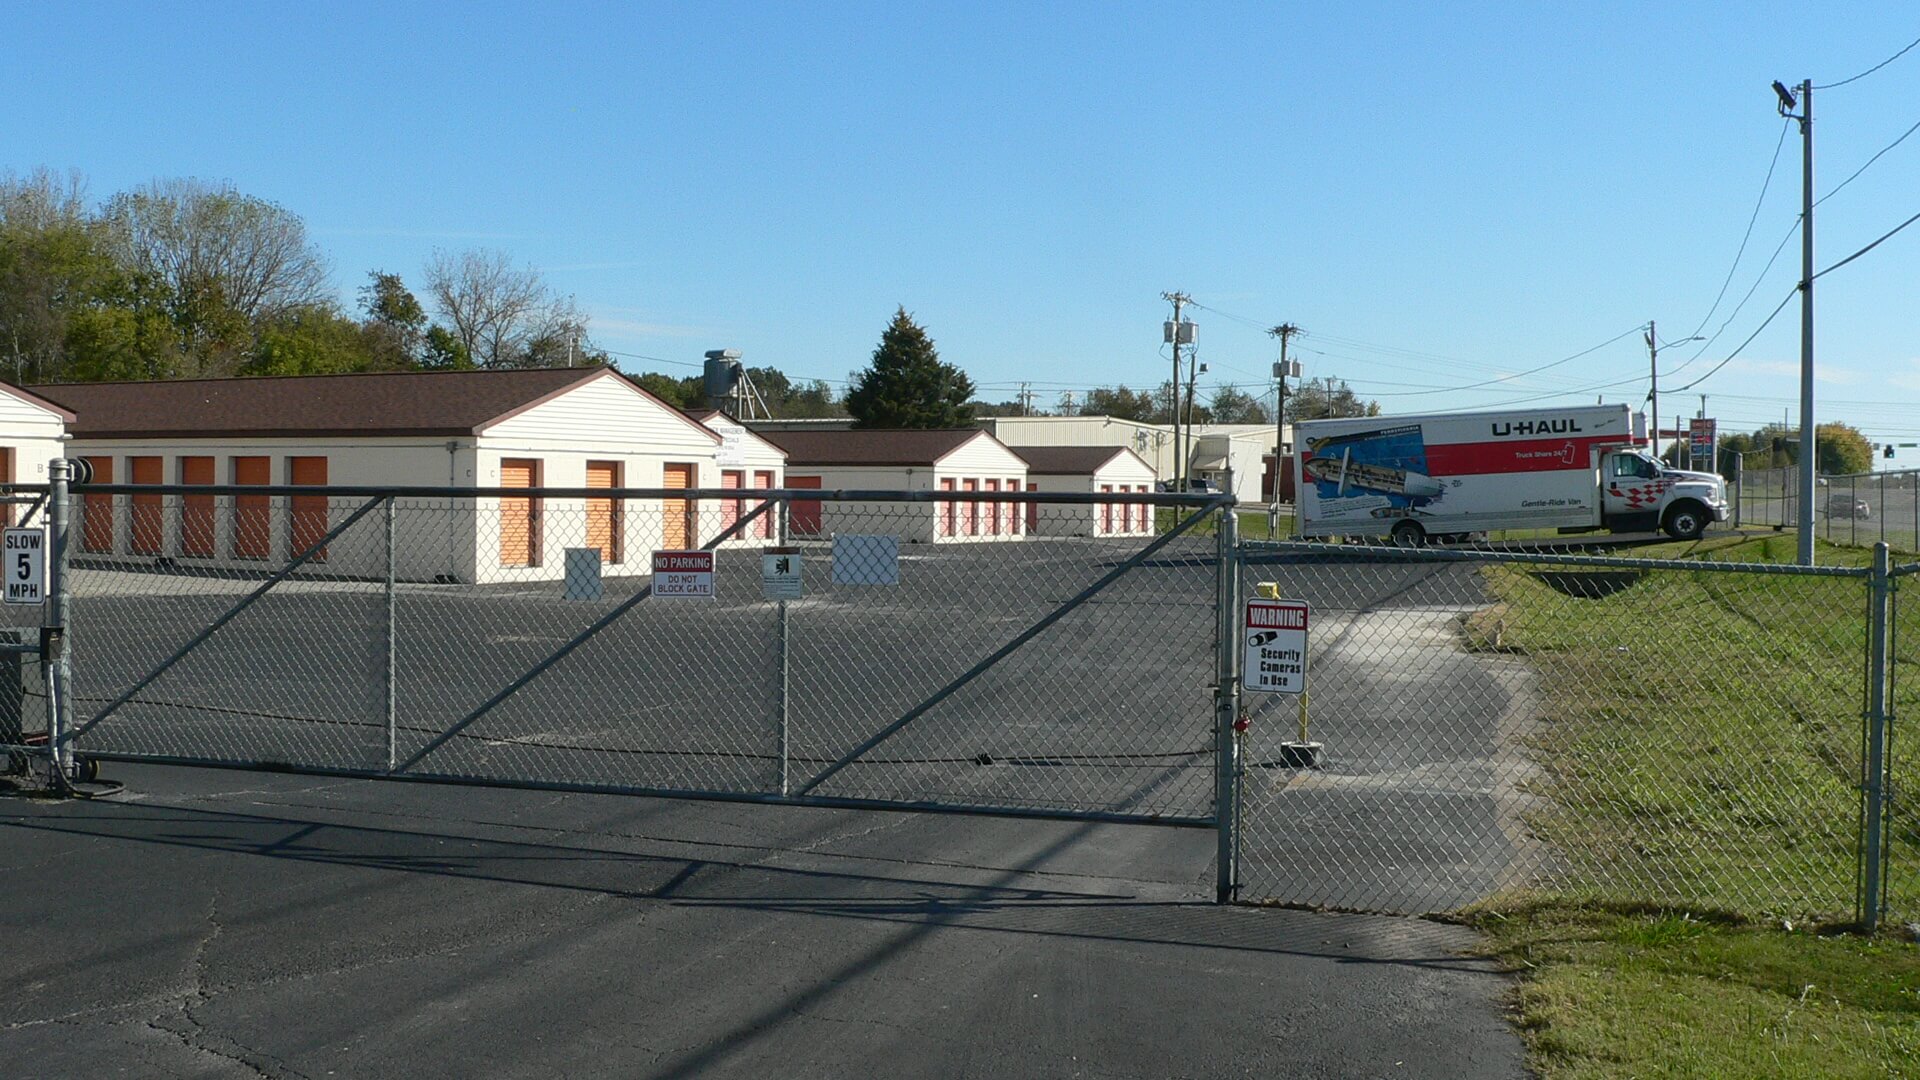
column 1382, row 473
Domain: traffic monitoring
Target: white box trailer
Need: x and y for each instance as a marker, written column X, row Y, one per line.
column 1449, row 476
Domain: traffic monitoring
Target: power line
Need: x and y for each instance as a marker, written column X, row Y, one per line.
column 1737, row 308
column 1757, row 203
column 1869, row 247
column 1874, row 68
column 1870, row 161
column 1736, row 351
column 1532, row 371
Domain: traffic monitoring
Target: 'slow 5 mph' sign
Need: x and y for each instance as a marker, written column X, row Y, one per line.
column 26, row 566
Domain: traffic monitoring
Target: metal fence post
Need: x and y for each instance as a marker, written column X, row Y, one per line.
column 392, row 643
column 1873, row 789
column 53, row 634
column 1226, row 697
column 780, row 528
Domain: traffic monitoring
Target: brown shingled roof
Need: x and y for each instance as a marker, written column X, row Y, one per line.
column 1067, row 460
column 386, row 403
column 870, row 446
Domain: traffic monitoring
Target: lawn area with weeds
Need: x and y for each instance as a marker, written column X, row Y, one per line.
column 1698, row 753
column 1625, row 993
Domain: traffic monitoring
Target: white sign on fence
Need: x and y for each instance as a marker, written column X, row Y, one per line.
column 780, row 573
column 26, row 566
column 1275, row 634
column 683, row 573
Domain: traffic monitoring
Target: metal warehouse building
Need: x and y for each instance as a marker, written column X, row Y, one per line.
column 959, row 459
column 1090, row 469
column 567, row 427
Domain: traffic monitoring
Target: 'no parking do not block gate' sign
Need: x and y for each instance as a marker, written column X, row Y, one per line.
column 1275, row 635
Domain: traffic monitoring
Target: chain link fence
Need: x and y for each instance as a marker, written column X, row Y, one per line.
column 1629, row 730
column 443, row 637
column 1858, row 510
column 1491, row 723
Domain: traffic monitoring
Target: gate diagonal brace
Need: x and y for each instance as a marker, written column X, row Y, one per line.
column 231, row 613
column 1010, row 647
column 563, row 651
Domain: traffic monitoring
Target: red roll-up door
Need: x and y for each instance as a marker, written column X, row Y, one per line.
column 803, row 517
column 763, row 479
column 993, row 510
column 973, row 508
column 946, row 509
column 1106, row 510
column 732, row 480
column 1033, row 509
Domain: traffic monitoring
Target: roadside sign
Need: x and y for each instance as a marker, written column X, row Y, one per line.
column 1275, row 635
column 26, row 566
column 1700, row 437
column 780, row 573
column 683, row 573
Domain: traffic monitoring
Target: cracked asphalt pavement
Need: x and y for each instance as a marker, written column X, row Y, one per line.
column 215, row 924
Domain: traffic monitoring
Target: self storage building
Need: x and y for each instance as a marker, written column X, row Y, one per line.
column 558, row 428
column 1099, row 470
column 742, row 460
column 32, row 433
column 956, row 460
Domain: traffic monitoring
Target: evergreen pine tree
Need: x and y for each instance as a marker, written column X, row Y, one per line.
column 908, row 386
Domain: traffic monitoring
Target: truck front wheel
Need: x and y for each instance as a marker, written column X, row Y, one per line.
column 1409, row 534
column 1686, row 521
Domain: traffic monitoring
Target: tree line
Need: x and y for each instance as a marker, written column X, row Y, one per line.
column 182, row 278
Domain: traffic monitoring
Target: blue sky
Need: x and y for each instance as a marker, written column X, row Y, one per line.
column 1440, row 195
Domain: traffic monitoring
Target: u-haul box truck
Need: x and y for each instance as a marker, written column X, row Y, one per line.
column 1450, row 475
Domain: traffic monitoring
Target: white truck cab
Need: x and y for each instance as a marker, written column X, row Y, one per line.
column 1638, row 493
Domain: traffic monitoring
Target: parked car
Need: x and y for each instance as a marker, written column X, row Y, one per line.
column 1193, row 484
column 1846, row 506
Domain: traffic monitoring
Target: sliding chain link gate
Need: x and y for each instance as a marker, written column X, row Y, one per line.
column 1025, row 654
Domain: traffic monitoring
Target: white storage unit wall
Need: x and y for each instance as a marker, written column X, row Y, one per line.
column 743, row 460
column 1094, row 470
column 33, row 432
column 876, row 460
column 546, row 428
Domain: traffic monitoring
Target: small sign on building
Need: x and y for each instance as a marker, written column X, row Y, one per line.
column 26, row 566
column 683, row 573
column 1275, row 634
column 780, row 573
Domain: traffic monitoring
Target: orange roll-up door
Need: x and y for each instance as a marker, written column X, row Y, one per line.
column 96, row 526
column 677, row 528
column 604, row 525
column 309, row 511
column 147, row 509
column 252, row 514
column 196, row 511
column 519, row 518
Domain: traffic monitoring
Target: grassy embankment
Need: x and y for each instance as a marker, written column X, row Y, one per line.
column 1698, row 745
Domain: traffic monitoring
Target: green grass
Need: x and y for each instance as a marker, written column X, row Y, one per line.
column 1697, row 748
column 1620, row 993
column 1253, row 524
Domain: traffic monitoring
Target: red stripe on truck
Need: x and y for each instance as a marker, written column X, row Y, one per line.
column 1515, row 455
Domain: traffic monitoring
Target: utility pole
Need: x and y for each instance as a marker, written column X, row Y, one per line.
column 1653, row 395
column 1284, row 332
column 1809, row 455
column 1177, row 333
